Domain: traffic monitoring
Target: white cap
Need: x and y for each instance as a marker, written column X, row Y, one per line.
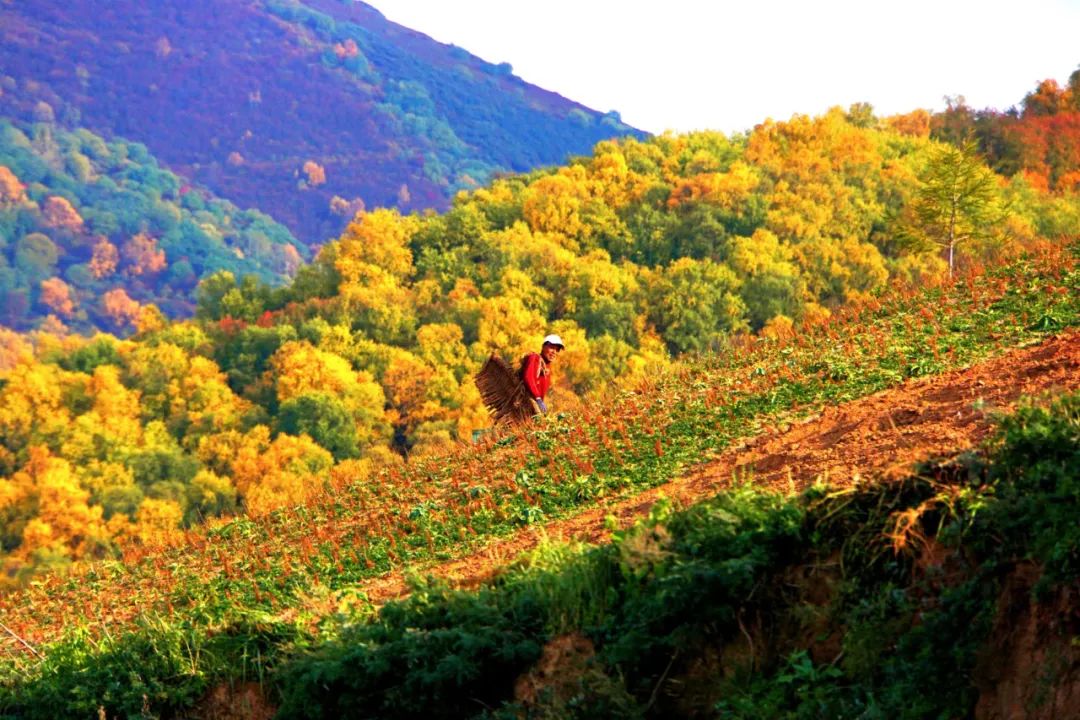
column 554, row 340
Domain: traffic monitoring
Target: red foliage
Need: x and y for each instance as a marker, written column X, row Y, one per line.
column 1049, row 146
column 230, row 325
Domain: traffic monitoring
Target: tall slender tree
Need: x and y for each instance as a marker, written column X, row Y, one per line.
column 957, row 201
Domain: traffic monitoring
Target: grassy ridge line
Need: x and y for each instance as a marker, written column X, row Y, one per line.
column 291, row 564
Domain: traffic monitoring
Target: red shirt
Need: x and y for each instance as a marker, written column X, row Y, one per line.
column 536, row 375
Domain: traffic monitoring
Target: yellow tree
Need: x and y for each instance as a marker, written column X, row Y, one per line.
column 554, row 204
column 772, row 283
column 120, row 308
column 157, row 522
column 203, row 401
column 379, row 238
column 110, row 430
column 32, row 405
column 62, row 519
column 285, row 471
column 508, row 327
column 441, row 345
column 958, row 201
column 299, row 368
column 143, row 255
column 12, row 192
column 374, row 262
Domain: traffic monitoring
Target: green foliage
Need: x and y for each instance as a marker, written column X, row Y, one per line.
column 160, row 670
column 101, row 351
column 957, row 200
column 1038, row 450
column 440, row 653
column 325, row 419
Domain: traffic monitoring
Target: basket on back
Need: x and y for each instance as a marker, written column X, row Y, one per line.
column 503, row 392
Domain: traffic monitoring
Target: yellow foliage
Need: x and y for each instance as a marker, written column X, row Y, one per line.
column 14, row 349
column 472, row 415
column 651, row 354
column 441, row 345
column 32, row 406
column 780, row 327
column 814, row 314
column 920, row 268
column 553, row 204
column 111, row 428
column 63, row 519
column 351, row 472
column 157, row 522
column 273, row 474
column 299, row 367
column 915, row 123
column 573, row 368
column 379, row 238
column 205, row 402
column 728, row 190
column 506, row 325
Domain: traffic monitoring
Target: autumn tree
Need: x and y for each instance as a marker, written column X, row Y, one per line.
column 12, row 192
column 57, row 515
column 59, row 213
column 772, row 282
column 143, row 255
column 104, row 259
column 314, row 174
column 270, row 474
column 56, row 294
column 322, row 417
column 374, row 262
column 118, row 306
column 693, row 303
column 298, row 368
column 1048, row 98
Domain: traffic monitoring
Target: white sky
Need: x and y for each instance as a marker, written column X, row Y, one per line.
column 714, row 64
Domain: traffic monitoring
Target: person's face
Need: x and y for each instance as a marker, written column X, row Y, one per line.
column 548, row 352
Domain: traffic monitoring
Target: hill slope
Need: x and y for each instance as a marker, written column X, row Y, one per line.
column 283, row 105
column 282, row 598
column 880, row 436
column 360, row 522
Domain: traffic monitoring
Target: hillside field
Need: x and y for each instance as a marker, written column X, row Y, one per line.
column 282, row 600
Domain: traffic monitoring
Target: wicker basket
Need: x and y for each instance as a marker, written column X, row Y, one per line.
column 503, row 392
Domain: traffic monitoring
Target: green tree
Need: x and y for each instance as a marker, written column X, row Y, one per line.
column 693, row 303
column 325, row 419
column 957, row 201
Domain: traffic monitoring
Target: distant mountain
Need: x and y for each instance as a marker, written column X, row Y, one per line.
column 91, row 231
column 304, row 109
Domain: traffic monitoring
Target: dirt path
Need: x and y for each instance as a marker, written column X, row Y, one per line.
column 877, row 436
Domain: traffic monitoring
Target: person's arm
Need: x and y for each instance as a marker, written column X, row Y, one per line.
column 532, row 376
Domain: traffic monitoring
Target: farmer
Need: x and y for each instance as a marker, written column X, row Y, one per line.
column 536, row 369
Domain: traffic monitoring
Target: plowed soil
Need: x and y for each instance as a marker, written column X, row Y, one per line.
column 879, row 436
